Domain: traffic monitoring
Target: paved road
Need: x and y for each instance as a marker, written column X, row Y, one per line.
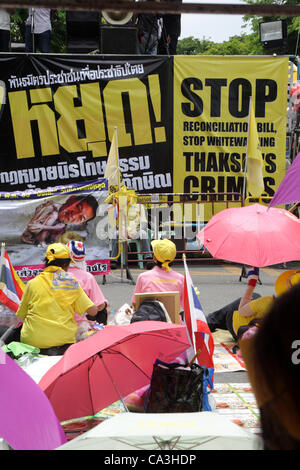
column 218, row 285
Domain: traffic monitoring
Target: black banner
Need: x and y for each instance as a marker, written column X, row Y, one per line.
column 58, row 115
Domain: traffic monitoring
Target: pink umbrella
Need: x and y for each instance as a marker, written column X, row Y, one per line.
column 109, row 365
column 254, row 235
column 28, row 421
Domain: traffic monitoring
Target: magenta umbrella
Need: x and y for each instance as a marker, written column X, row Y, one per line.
column 289, row 188
column 27, row 419
column 254, row 235
column 109, row 365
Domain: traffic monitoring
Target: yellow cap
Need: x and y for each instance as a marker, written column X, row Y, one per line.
column 57, row 250
column 287, row 280
column 164, row 251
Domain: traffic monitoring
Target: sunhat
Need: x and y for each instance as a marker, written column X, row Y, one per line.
column 287, row 280
column 164, row 251
column 57, row 251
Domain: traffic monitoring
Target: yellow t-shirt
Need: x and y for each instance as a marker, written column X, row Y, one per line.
column 48, row 305
column 259, row 306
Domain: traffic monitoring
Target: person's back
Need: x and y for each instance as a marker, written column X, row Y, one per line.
column 49, row 302
column 161, row 278
column 87, row 281
column 50, row 315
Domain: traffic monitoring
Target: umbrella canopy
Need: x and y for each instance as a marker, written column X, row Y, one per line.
column 109, row 365
column 289, row 188
column 254, row 235
column 167, row 431
column 28, row 421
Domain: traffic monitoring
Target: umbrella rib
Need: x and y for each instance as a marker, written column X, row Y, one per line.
column 116, row 344
column 140, row 446
column 112, row 380
column 133, row 363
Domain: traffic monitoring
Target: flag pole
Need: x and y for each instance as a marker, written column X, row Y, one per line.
column 246, row 160
column 119, row 184
column 118, row 166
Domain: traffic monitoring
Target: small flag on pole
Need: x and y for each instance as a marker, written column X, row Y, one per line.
column 112, row 170
column 199, row 332
column 11, row 286
column 254, row 162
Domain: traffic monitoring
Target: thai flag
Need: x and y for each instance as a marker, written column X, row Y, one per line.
column 11, row 286
column 199, row 332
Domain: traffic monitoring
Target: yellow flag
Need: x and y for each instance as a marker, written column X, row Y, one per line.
column 112, row 171
column 255, row 182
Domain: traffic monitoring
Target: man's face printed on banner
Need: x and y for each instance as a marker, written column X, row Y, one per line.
column 75, row 211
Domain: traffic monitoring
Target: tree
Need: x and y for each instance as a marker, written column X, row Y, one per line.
column 193, row 46
column 236, row 45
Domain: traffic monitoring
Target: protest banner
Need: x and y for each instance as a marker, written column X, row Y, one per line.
column 30, row 220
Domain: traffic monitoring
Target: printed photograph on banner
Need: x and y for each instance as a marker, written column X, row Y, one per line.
column 32, row 220
column 211, row 123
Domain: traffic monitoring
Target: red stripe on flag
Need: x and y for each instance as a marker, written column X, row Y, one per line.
column 8, row 302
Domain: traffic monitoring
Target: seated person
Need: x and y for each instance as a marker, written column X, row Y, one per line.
column 49, row 303
column 251, row 306
column 161, row 278
column 87, row 281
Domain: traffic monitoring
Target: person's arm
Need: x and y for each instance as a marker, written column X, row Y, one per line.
column 102, row 306
column 244, row 307
column 92, row 311
column 100, row 315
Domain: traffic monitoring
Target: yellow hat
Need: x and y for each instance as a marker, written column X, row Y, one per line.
column 287, row 280
column 164, row 251
column 57, row 250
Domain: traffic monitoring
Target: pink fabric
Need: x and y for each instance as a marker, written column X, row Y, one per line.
column 128, row 352
column 159, row 280
column 254, row 235
column 90, row 287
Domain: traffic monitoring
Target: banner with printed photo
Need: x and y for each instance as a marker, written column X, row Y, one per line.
column 58, row 115
column 211, row 109
column 31, row 220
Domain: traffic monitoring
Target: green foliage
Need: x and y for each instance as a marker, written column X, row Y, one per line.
column 18, row 24
column 236, row 45
column 58, row 36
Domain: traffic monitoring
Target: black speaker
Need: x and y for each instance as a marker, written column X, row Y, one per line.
column 83, row 31
column 118, row 39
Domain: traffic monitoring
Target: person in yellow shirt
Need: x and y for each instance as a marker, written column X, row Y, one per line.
column 250, row 306
column 49, row 303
